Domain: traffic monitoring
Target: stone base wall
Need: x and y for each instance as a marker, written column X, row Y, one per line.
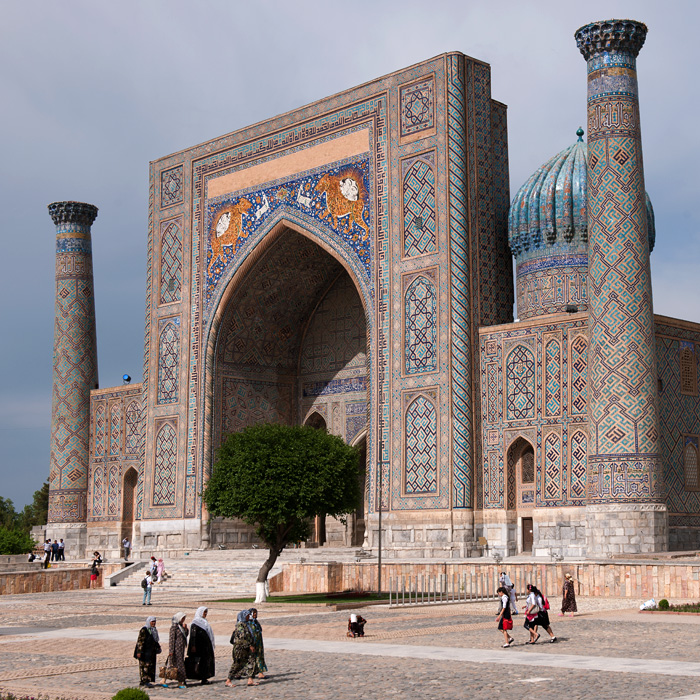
column 683, row 538
column 634, row 528
column 73, row 534
column 560, row 531
column 624, row 580
column 51, row 580
column 232, row 534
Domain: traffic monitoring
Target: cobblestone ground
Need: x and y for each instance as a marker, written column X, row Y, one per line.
column 80, row 645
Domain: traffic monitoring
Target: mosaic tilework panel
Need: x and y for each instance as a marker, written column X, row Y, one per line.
column 690, row 462
column 115, row 429
column 562, row 466
column 168, row 360
column 134, row 428
column 689, row 368
column 552, row 380
column 170, row 262
column 679, row 416
column 97, row 488
column 624, row 449
column 165, row 465
column 419, row 217
column 337, row 198
column 520, row 384
column 171, row 187
column 355, row 419
column 113, row 491
column 417, row 105
column 100, row 427
column 578, row 378
column 420, row 309
column 421, row 447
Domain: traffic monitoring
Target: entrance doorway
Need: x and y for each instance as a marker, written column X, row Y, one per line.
column 129, row 503
column 527, row 538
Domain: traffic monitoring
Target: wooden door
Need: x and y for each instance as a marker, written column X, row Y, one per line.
column 527, row 535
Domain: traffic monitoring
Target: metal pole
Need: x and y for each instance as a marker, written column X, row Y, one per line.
column 379, row 533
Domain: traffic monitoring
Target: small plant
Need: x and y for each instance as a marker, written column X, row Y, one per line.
column 663, row 604
column 132, row 694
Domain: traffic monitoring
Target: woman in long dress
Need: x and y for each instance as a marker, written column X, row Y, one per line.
column 568, row 601
column 147, row 648
column 256, row 630
column 243, row 651
column 200, row 651
column 177, row 644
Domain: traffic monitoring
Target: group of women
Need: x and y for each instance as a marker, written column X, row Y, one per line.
column 191, row 651
column 536, row 609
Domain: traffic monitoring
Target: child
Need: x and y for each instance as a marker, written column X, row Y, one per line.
column 505, row 621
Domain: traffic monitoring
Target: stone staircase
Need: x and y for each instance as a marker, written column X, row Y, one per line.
column 230, row 571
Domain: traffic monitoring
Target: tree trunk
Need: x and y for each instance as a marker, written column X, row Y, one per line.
column 262, row 587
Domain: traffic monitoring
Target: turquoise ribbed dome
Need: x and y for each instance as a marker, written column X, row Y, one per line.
column 550, row 208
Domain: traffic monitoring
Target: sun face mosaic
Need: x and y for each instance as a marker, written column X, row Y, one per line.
column 337, row 198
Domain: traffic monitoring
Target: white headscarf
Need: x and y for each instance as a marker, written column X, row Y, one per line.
column 178, row 617
column 505, row 580
column 152, row 630
column 201, row 621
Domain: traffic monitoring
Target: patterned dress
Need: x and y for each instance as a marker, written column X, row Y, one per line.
column 146, row 650
column 176, row 649
column 243, row 658
column 259, row 654
column 568, row 603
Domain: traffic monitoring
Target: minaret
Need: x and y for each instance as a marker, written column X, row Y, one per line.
column 74, row 371
column 625, row 509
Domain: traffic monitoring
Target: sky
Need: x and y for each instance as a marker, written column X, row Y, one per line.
column 94, row 90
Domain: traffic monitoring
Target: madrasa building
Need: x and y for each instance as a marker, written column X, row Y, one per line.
column 349, row 265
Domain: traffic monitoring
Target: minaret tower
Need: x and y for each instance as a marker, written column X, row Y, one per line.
column 625, row 510
column 74, row 371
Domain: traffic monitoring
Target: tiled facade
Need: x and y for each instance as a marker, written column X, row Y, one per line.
column 347, row 265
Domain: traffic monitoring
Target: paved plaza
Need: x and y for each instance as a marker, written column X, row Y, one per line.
column 79, row 645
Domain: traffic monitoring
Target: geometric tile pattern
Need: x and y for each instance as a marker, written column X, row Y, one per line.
column 115, row 429
column 417, row 104
column 578, row 382
column 624, row 462
column 134, row 430
column 419, row 209
column 250, row 402
column 171, row 186
column 552, row 467
column 171, row 264
column 97, row 484
column 421, row 447
column 689, row 369
column 164, row 474
column 168, row 361
column 74, row 362
column 113, row 491
column 690, row 463
column 552, row 383
column 421, row 327
column 100, row 430
column 579, row 453
column 520, row 383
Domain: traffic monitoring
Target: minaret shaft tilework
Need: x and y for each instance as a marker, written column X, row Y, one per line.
column 74, row 361
column 623, row 462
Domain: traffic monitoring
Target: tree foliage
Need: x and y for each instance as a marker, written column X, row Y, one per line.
column 15, row 527
column 279, row 477
column 15, row 541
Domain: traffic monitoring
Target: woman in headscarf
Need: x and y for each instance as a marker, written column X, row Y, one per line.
column 243, row 650
column 200, row 651
column 256, row 630
column 176, row 648
column 160, row 570
column 505, row 581
column 568, row 603
column 147, row 648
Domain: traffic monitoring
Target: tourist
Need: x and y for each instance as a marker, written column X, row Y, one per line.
column 177, row 643
column 256, row 630
column 61, row 550
column 504, row 619
column 243, row 650
column 532, row 610
column 154, row 568
column 356, row 626
column 96, row 558
column 160, row 570
column 47, row 554
column 568, row 602
column 147, row 648
column 54, row 551
column 536, row 600
column 127, row 548
column 505, row 581
column 94, row 573
column 200, row 651
column 147, row 585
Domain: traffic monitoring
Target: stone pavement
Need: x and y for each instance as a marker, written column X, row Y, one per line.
column 79, row 645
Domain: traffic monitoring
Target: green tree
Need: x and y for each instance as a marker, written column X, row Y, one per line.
column 15, row 542
column 8, row 516
column 37, row 512
column 279, row 477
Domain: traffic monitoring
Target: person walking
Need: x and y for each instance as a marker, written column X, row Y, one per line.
column 200, row 663
column 147, row 648
column 505, row 581
column 243, row 650
column 61, row 550
column 47, row 554
column 532, row 610
column 160, row 570
column 127, row 548
column 537, row 600
column 259, row 653
column 504, row 619
column 568, row 600
column 177, row 643
column 147, row 585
